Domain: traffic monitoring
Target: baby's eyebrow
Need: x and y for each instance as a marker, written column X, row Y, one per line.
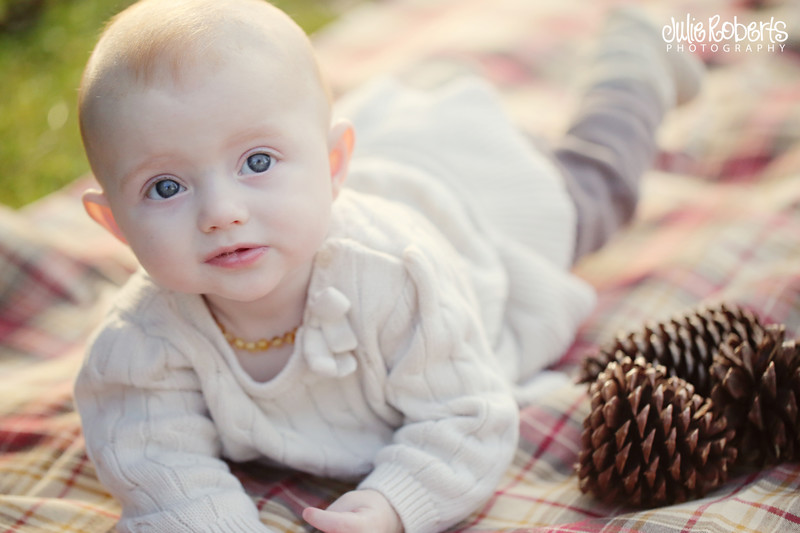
column 147, row 166
column 259, row 133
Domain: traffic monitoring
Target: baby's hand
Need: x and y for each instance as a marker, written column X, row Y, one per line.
column 357, row 511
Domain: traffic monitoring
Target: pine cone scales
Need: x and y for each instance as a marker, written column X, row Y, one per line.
column 650, row 440
column 685, row 345
column 757, row 387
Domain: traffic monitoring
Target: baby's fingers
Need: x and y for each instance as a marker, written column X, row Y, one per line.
column 333, row 522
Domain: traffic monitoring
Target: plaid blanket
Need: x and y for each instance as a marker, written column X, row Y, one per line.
column 719, row 221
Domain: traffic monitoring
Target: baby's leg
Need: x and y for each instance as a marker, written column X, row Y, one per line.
column 632, row 82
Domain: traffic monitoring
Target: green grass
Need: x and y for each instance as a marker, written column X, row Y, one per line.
column 44, row 45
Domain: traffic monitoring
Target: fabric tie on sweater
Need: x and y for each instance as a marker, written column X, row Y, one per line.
column 329, row 339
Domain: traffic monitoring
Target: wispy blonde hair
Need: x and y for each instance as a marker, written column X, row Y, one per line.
column 154, row 38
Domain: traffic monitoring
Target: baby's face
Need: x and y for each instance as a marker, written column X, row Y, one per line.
column 222, row 184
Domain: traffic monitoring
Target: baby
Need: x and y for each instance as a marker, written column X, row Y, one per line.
column 378, row 332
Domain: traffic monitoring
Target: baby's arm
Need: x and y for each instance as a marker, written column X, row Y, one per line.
column 152, row 442
column 459, row 421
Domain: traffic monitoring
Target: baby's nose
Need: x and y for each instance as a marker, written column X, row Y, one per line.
column 221, row 210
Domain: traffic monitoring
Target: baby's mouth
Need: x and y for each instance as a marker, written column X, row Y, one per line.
column 238, row 256
column 232, row 252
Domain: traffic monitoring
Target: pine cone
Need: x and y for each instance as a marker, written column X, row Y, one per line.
column 649, row 440
column 685, row 345
column 757, row 387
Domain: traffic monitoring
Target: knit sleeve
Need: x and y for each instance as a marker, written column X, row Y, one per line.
column 460, row 424
column 151, row 440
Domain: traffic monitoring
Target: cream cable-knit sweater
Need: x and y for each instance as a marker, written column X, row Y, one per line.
column 414, row 331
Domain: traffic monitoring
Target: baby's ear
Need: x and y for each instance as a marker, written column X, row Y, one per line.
column 341, row 140
column 96, row 204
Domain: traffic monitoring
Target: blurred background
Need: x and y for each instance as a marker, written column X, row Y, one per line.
column 44, row 45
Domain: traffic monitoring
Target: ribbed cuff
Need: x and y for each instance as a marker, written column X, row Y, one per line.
column 413, row 503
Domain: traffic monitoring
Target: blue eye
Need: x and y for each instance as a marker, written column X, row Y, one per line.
column 257, row 163
column 163, row 189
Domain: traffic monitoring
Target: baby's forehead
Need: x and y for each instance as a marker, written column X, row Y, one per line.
column 159, row 44
column 175, row 41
